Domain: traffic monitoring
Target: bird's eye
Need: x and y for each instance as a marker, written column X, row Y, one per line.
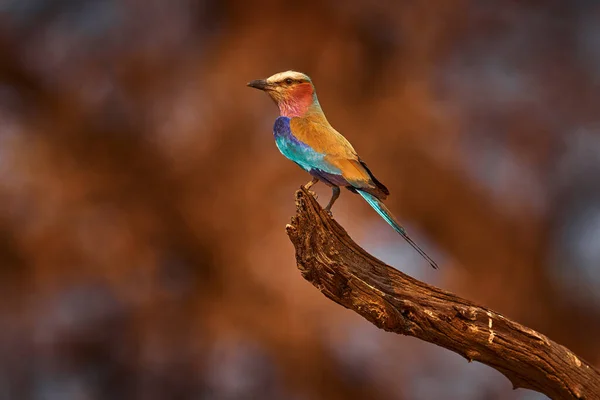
column 288, row 81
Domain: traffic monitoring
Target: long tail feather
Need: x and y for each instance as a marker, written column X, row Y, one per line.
column 387, row 215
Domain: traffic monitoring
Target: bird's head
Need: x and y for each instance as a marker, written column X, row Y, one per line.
column 292, row 91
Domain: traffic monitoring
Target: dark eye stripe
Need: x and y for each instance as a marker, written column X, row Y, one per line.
column 289, row 81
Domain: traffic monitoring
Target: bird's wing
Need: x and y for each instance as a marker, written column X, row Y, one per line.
column 356, row 173
column 339, row 155
column 319, row 135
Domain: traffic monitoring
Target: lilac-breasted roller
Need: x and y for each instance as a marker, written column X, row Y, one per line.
column 303, row 134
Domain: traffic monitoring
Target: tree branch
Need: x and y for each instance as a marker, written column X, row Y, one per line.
column 329, row 259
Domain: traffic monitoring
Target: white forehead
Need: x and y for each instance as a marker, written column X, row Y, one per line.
column 287, row 74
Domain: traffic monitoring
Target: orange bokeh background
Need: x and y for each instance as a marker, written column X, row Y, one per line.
column 143, row 251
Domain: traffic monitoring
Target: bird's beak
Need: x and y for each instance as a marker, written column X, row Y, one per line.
column 259, row 84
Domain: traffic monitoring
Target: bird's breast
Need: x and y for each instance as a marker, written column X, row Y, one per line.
column 296, row 150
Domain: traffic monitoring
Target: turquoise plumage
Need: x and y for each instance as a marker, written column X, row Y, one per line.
column 303, row 135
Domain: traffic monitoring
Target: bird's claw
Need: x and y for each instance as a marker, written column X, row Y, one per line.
column 328, row 212
column 313, row 194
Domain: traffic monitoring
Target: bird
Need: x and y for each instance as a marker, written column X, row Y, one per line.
column 304, row 135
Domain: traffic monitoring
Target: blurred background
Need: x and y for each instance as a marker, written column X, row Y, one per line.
column 143, row 202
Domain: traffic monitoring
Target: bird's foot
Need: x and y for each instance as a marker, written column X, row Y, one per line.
column 313, row 194
column 328, row 211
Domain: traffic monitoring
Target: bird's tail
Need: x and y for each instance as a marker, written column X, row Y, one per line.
column 387, row 215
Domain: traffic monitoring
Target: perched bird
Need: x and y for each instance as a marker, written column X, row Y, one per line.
column 303, row 134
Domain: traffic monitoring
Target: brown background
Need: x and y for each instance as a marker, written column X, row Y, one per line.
column 143, row 202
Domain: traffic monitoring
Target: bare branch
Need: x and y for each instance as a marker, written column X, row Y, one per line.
column 329, row 259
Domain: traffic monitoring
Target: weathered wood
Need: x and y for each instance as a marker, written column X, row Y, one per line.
column 329, row 259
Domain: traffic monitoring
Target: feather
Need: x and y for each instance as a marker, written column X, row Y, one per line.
column 387, row 215
column 298, row 151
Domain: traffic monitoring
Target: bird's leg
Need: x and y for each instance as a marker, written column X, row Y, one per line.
column 335, row 194
column 311, row 183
